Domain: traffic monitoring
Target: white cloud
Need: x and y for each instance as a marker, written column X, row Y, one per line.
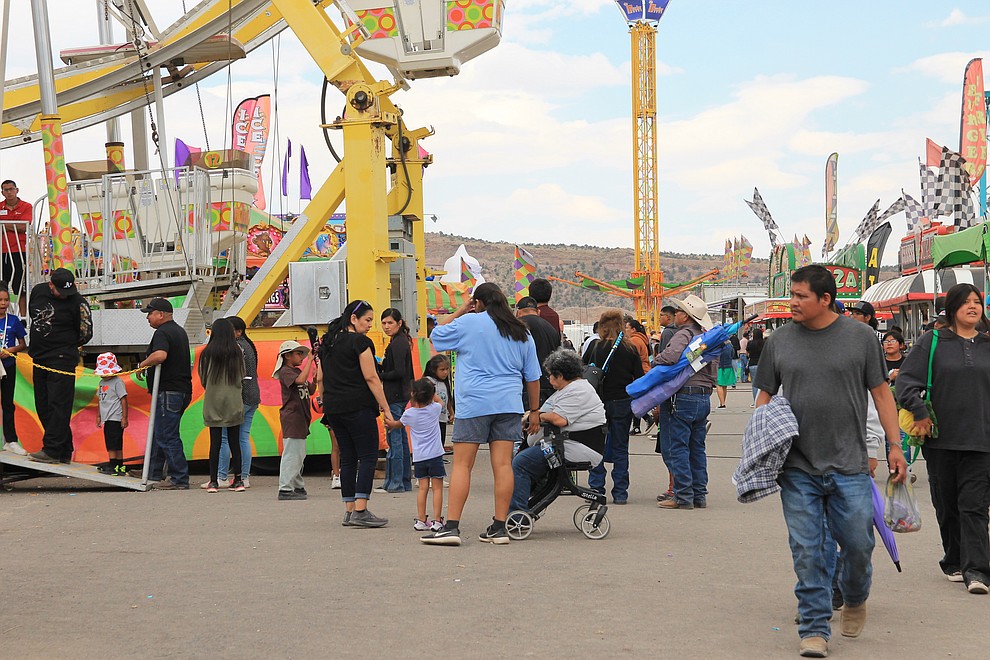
column 945, row 67
column 956, row 17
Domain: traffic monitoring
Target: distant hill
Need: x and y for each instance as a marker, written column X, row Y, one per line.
column 560, row 260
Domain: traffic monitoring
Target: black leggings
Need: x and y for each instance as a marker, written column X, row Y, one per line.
column 216, row 439
column 7, row 386
column 357, row 437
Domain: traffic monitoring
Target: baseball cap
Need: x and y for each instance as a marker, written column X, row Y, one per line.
column 527, row 302
column 64, row 281
column 863, row 307
column 157, row 305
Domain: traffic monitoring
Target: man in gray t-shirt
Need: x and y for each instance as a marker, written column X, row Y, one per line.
column 827, row 365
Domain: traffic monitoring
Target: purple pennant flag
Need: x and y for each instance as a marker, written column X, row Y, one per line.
column 305, row 185
column 285, row 169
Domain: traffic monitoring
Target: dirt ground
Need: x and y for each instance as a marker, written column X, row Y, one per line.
column 90, row 572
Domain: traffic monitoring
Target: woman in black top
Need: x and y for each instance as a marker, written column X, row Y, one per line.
column 623, row 368
column 397, row 377
column 754, row 348
column 959, row 458
column 352, row 397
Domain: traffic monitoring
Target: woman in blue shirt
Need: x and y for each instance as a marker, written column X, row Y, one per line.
column 495, row 355
column 12, row 341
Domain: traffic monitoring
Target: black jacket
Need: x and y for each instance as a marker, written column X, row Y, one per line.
column 59, row 326
column 397, row 369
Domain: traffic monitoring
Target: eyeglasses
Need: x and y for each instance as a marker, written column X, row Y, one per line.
column 891, row 340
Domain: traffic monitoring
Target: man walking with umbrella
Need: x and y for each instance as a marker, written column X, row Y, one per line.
column 827, row 471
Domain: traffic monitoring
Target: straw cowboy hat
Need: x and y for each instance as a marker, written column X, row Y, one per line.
column 696, row 308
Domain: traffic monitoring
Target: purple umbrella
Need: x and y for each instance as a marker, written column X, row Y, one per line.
column 886, row 535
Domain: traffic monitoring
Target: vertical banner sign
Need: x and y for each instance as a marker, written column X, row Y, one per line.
column 874, row 254
column 727, row 259
column 525, row 272
column 250, row 133
column 831, row 203
column 746, row 256
column 642, row 10
column 973, row 125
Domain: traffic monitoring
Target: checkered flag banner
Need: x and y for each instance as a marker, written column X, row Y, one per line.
column 869, row 223
column 913, row 212
column 761, row 211
column 954, row 192
column 894, row 209
column 929, row 191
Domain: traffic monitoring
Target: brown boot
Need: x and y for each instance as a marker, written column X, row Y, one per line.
column 853, row 620
column 813, row 647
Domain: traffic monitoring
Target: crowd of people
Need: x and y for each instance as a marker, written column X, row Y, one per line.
column 514, row 375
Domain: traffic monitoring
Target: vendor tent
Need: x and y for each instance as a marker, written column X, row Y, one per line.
column 920, row 286
column 962, row 247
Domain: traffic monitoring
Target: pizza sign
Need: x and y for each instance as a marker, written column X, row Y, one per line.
column 848, row 281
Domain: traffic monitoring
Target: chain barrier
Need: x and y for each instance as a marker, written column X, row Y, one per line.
column 25, row 358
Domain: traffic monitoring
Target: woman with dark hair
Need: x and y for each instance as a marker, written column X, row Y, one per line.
column 251, row 396
column 959, row 458
column 397, row 378
column 623, row 368
column 495, row 353
column 754, row 348
column 352, row 397
column 221, row 370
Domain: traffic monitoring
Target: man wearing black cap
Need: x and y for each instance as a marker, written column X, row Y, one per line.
column 547, row 339
column 169, row 351
column 61, row 322
column 864, row 312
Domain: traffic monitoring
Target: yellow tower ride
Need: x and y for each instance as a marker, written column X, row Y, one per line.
column 642, row 16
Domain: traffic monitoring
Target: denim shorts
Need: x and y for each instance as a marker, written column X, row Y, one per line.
column 485, row 428
column 429, row 469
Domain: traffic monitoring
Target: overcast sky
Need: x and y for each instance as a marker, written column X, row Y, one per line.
column 533, row 140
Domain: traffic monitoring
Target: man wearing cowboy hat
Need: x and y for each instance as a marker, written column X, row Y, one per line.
column 683, row 416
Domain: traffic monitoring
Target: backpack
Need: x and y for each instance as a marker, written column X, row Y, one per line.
column 596, row 375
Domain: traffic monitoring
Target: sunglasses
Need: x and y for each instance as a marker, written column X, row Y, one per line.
column 360, row 305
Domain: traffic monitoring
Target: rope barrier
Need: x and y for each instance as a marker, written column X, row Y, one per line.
column 86, row 372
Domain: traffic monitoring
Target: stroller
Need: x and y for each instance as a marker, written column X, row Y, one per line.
column 590, row 518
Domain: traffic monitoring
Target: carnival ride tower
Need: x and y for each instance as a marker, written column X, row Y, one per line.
column 642, row 17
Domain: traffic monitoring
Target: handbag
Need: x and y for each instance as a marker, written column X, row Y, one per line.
column 596, row 375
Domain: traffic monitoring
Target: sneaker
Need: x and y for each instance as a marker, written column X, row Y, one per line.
column 335, row 482
column 247, row 482
column 421, row 525
column 674, row 504
column 663, row 497
column 977, row 587
column 42, row 457
column 300, row 491
column 290, row 495
column 436, row 525
column 346, row 522
column 650, row 422
column 222, row 483
column 701, row 504
column 121, row 471
column 170, row 485
column 813, row 647
column 954, row 576
column 367, row 519
column 380, row 490
column 238, row 486
column 213, row 487
column 106, row 469
column 495, row 536
column 443, row 537
column 14, row 448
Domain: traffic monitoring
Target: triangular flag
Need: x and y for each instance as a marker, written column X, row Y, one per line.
column 285, row 169
column 305, row 185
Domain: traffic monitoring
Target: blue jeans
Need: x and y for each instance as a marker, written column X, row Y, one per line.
column 166, row 445
column 752, row 379
column 683, row 435
column 527, row 466
column 847, row 501
column 743, row 364
column 245, row 444
column 618, row 416
column 398, row 461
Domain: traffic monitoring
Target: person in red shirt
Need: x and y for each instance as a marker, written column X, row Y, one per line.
column 541, row 290
column 15, row 214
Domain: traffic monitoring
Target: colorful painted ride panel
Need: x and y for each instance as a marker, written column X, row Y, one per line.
column 266, row 435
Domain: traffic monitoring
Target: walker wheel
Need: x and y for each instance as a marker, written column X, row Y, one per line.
column 588, row 526
column 579, row 515
column 519, row 525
